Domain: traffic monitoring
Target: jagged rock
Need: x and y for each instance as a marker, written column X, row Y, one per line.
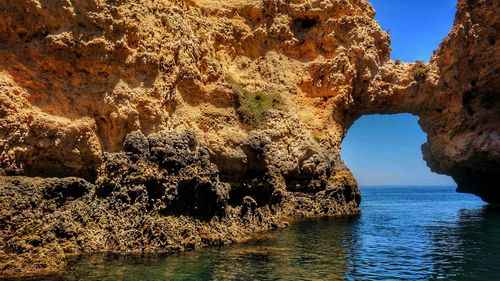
column 66, row 189
column 136, row 143
column 249, row 205
column 177, row 177
column 174, row 151
column 164, row 197
column 35, row 225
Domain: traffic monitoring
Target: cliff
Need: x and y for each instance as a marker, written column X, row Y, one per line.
column 147, row 126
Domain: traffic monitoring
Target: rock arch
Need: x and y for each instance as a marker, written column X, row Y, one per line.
column 330, row 63
column 458, row 101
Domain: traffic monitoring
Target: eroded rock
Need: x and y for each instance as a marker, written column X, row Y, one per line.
column 165, row 172
column 162, row 194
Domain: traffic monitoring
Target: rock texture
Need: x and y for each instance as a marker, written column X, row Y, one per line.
column 162, row 194
column 159, row 126
column 464, row 132
column 457, row 98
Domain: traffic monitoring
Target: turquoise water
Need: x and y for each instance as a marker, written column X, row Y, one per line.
column 410, row 233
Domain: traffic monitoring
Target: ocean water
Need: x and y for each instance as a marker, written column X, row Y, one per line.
column 404, row 233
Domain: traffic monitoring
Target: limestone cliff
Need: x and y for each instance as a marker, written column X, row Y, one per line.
column 160, row 126
column 464, row 130
column 456, row 97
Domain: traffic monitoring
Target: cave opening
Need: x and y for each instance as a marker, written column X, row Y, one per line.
column 385, row 150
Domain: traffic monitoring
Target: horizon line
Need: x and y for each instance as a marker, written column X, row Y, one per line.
column 407, row 185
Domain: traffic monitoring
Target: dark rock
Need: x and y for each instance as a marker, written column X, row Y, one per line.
column 177, row 179
column 136, row 143
column 170, row 200
column 62, row 190
column 249, row 206
column 199, row 198
column 176, row 150
column 278, row 196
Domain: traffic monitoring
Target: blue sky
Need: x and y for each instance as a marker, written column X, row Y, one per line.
column 416, row 26
column 385, row 149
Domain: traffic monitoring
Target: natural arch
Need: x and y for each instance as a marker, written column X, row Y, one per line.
column 71, row 98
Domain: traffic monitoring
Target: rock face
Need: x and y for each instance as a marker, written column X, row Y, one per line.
column 162, row 194
column 464, row 139
column 159, row 126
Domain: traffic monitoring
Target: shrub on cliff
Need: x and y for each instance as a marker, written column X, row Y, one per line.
column 253, row 106
column 420, row 71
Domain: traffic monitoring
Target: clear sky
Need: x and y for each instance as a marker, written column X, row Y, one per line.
column 416, row 26
column 385, row 149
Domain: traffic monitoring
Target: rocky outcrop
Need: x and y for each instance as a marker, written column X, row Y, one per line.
column 464, row 132
column 162, row 194
column 146, row 126
column 90, row 73
column 456, row 97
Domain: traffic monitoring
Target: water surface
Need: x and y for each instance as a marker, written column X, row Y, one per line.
column 404, row 233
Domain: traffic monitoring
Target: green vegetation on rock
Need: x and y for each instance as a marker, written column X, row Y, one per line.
column 420, row 71
column 253, row 106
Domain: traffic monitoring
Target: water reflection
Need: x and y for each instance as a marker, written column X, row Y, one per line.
column 403, row 234
column 425, row 234
column 469, row 247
